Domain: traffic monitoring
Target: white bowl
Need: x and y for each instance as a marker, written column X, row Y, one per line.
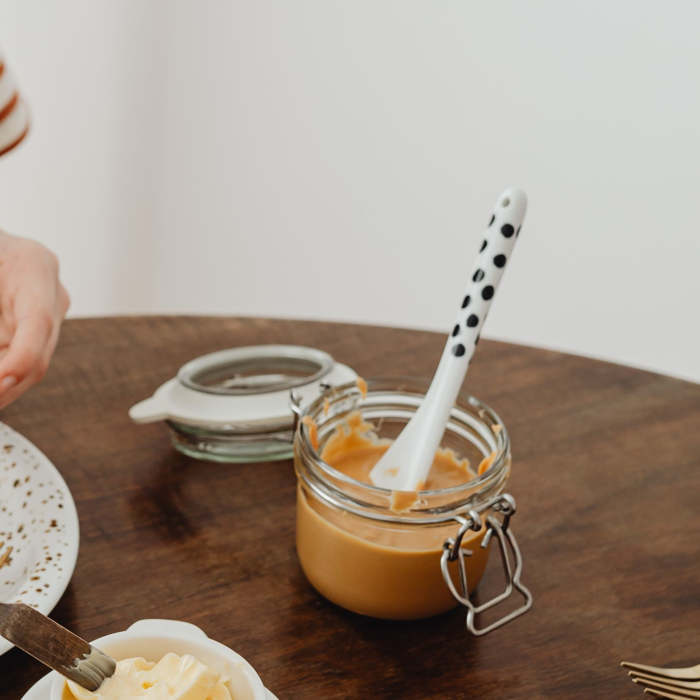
column 152, row 639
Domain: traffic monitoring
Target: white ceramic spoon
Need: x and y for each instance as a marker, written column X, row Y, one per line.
column 405, row 465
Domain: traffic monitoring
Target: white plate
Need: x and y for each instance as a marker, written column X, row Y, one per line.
column 39, row 521
column 40, row 690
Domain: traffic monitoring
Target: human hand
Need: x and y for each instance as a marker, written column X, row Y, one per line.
column 33, row 303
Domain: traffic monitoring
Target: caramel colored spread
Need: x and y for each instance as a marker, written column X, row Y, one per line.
column 485, row 463
column 309, row 422
column 354, row 449
column 374, row 567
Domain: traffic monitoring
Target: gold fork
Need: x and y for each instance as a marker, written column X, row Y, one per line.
column 664, row 690
column 691, row 673
column 667, row 682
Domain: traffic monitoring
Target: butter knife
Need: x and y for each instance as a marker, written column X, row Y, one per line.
column 55, row 646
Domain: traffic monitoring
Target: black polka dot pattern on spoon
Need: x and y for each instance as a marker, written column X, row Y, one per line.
column 485, row 274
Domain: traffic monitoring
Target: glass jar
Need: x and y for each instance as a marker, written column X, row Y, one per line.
column 364, row 556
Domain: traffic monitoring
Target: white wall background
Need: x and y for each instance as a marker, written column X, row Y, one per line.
column 338, row 159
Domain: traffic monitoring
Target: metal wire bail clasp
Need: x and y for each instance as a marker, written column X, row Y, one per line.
column 295, row 406
column 504, row 506
column 295, row 403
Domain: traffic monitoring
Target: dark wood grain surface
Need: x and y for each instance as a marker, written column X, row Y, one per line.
column 606, row 474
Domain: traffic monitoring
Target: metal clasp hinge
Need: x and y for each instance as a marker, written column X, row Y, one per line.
column 295, row 403
column 508, row 547
column 295, row 406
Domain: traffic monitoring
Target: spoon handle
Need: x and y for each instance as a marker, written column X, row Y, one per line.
column 495, row 252
column 406, row 464
column 490, row 264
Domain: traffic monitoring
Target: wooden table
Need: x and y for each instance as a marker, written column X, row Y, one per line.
column 606, row 475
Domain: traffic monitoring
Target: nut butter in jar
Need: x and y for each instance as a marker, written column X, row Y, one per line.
column 402, row 556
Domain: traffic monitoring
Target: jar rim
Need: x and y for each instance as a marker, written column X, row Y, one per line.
column 415, row 387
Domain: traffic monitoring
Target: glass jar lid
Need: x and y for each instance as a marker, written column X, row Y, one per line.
column 255, row 370
column 234, row 405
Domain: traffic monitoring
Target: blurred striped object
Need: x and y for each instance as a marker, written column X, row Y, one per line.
column 14, row 115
